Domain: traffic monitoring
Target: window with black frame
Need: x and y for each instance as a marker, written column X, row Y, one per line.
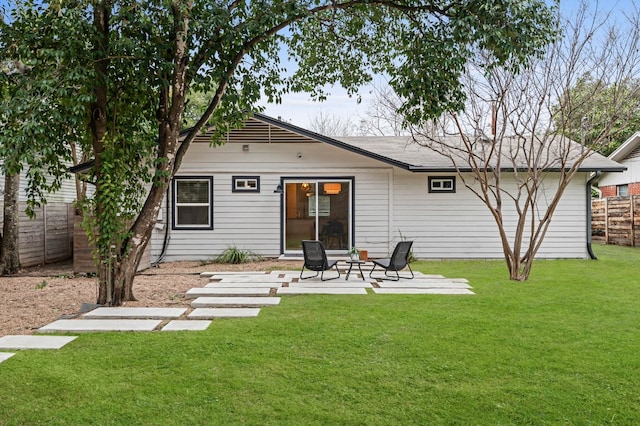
column 445, row 184
column 193, row 202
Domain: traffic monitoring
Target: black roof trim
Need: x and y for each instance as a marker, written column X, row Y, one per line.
column 328, row 140
column 420, row 169
column 409, row 167
column 82, row 167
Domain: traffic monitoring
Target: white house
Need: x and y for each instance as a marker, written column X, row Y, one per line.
column 627, row 182
column 274, row 184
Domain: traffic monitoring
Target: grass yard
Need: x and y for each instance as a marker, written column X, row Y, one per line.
column 562, row 348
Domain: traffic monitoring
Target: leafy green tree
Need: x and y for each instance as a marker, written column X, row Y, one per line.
column 9, row 240
column 593, row 102
column 144, row 58
column 40, row 111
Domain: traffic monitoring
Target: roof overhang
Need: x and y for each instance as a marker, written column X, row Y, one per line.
column 625, row 149
column 283, row 125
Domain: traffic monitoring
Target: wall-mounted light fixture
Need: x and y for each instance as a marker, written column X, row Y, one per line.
column 245, row 148
column 278, row 190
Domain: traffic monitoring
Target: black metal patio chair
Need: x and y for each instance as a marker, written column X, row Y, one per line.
column 315, row 259
column 397, row 262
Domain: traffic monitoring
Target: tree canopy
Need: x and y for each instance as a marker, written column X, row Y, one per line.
column 601, row 108
column 116, row 75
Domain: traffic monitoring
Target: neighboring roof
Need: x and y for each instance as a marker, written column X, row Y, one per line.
column 399, row 151
column 629, row 148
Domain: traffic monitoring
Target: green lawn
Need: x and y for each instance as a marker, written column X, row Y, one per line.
column 562, row 348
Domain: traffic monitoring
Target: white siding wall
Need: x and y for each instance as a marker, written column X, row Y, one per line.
column 459, row 225
column 631, row 175
column 251, row 221
column 388, row 201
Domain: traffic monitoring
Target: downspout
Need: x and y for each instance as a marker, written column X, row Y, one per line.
column 165, row 243
column 589, row 230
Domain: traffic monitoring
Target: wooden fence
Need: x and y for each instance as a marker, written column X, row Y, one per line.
column 616, row 220
column 48, row 237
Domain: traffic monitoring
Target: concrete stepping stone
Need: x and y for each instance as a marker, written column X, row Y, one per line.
column 211, row 313
column 186, row 325
column 422, row 284
column 319, row 290
column 34, row 342
column 227, row 292
column 136, row 313
column 229, row 302
column 95, row 325
column 332, row 284
column 253, row 284
column 5, row 356
column 422, row 291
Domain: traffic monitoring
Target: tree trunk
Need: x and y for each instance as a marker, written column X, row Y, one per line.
column 9, row 249
column 116, row 279
column 117, row 274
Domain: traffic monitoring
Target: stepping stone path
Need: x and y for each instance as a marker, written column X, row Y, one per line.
column 92, row 325
column 211, row 313
column 146, row 313
column 5, row 356
column 34, row 342
column 13, row 342
column 228, row 295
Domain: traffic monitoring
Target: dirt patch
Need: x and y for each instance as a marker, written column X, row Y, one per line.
column 37, row 296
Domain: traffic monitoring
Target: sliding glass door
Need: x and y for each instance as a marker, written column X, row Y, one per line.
column 317, row 209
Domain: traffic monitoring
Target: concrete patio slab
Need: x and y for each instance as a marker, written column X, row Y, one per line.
column 235, row 302
column 353, row 283
column 186, row 325
column 422, row 291
column 136, row 313
column 224, row 273
column 96, row 325
column 248, row 284
column 264, row 278
column 318, row 290
column 227, row 292
column 427, row 276
column 211, row 313
column 34, row 342
column 294, row 273
column 422, row 284
column 5, row 356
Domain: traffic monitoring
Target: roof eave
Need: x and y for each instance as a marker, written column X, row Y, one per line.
column 627, row 146
column 423, row 169
column 331, row 141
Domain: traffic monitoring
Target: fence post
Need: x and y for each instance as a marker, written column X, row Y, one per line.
column 606, row 220
column 632, row 220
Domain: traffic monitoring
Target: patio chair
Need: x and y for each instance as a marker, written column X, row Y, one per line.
column 315, row 259
column 397, row 262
